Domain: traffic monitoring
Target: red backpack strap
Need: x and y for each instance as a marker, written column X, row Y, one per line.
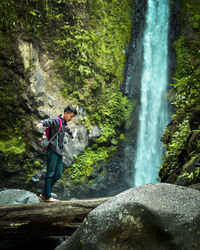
column 47, row 132
column 60, row 122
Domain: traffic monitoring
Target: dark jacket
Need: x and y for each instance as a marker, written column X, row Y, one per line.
column 57, row 143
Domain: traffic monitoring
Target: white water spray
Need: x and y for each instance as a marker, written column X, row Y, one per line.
column 153, row 115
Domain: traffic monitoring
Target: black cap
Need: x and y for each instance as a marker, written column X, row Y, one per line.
column 70, row 109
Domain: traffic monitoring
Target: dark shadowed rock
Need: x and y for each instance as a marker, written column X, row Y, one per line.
column 150, row 217
column 17, row 196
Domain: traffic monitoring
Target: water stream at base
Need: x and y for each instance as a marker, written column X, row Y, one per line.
column 153, row 115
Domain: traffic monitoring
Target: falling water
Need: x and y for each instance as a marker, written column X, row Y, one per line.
column 153, row 114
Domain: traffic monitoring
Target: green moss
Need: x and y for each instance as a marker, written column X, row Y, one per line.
column 12, row 146
column 190, row 6
column 83, row 165
column 92, row 61
column 174, row 148
column 191, row 173
column 184, row 65
column 12, row 139
column 92, row 56
column 185, row 97
column 89, row 39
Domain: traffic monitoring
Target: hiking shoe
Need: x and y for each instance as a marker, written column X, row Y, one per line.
column 51, row 200
column 42, row 197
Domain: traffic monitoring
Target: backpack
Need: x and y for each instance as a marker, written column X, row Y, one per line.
column 45, row 137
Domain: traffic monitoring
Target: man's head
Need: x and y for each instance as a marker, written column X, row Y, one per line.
column 69, row 113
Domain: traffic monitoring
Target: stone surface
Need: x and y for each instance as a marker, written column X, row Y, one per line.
column 94, row 133
column 17, row 196
column 151, row 217
column 76, row 146
column 43, row 86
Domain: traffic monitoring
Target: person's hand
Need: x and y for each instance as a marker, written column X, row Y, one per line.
column 39, row 125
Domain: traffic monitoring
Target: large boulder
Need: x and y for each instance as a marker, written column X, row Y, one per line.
column 17, row 196
column 151, row 217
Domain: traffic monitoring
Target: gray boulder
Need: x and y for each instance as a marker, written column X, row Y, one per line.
column 94, row 133
column 17, row 196
column 76, row 146
column 156, row 216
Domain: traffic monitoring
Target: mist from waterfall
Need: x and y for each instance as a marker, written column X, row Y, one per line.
column 153, row 114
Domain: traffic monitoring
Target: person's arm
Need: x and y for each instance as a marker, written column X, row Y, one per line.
column 68, row 130
column 52, row 122
column 39, row 125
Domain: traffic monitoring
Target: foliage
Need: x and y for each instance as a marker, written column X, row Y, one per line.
column 92, row 57
column 83, row 165
column 185, row 94
column 192, row 176
column 91, row 63
column 178, row 159
column 89, row 39
column 14, row 145
column 11, row 106
column 192, row 9
column 114, row 112
column 177, row 143
column 30, row 167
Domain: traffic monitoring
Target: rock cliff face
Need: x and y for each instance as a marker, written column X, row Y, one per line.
column 42, row 99
column 54, row 54
column 44, row 89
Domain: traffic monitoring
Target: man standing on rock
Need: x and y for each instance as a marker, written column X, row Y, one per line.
column 55, row 149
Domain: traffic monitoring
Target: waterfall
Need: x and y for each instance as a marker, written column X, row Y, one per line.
column 153, row 114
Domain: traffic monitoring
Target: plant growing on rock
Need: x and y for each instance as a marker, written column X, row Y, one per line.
column 181, row 160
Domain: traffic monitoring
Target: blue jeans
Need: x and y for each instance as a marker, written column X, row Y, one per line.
column 54, row 172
